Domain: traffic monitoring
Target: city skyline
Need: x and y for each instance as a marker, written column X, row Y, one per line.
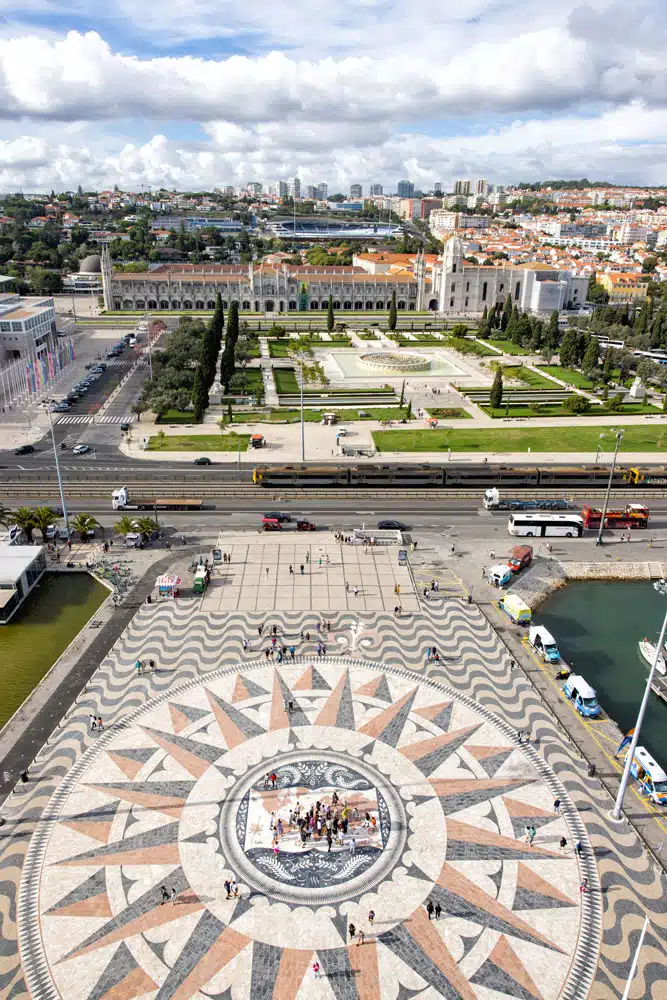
column 191, row 100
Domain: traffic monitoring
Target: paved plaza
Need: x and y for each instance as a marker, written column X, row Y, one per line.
column 208, row 761
column 334, row 575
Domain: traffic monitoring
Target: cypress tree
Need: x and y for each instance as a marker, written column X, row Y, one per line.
column 330, row 315
column 496, row 393
column 507, row 312
column 227, row 362
column 199, row 395
column 392, row 311
column 608, row 365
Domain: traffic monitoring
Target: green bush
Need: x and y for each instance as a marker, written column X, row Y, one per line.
column 576, row 404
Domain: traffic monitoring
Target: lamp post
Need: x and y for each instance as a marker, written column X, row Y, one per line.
column 597, row 456
column 60, row 482
column 619, row 437
column 635, row 960
column 661, row 587
column 303, row 425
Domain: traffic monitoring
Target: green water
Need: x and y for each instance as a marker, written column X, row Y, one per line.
column 597, row 627
column 41, row 629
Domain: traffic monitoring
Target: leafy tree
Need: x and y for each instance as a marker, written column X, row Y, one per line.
column 596, row 293
column 664, row 403
column 554, row 329
column 576, row 404
column 649, row 264
column 83, row 523
column 392, row 312
column 568, row 349
column 42, row 517
column 616, row 402
column 24, row 518
column 592, row 356
column 330, row 314
column 496, row 393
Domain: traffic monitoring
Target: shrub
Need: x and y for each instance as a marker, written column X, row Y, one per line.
column 576, row 404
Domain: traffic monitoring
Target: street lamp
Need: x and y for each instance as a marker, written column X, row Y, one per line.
column 619, row 437
column 661, row 587
column 60, row 481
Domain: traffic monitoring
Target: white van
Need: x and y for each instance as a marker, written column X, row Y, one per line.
column 542, row 640
column 649, row 774
column 582, row 695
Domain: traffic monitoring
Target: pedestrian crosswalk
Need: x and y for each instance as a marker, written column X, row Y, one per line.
column 87, row 418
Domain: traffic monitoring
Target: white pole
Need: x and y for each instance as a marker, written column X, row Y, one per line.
column 60, row 482
column 635, row 960
column 619, row 438
column 638, row 724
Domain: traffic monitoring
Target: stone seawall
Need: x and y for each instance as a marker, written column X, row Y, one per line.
column 547, row 575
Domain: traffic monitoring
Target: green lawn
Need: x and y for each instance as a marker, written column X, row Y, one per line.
column 293, row 416
column 574, row 378
column 506, row 346
column 278, row 348
column 538, row 439
column 449, row 413
column 367, row 336
column 199, row 442
column 530, row 377
column 285, row 380
column 176, row 417
column 464, row 346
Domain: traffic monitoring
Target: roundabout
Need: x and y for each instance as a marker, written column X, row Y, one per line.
column 321, row 793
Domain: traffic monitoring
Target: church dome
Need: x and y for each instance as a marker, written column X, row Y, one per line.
column 91, row 264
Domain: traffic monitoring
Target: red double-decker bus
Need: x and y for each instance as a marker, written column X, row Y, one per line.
column 635, row 515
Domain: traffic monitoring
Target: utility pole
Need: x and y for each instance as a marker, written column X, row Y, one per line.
column 619, row 437
column 60, row 481
column 640, row 718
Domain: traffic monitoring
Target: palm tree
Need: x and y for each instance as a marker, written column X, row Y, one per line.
column 146, row 526
column 125, row 526
column 43, row 517
column 8, row 517
column 83, row 523
column 24, row 518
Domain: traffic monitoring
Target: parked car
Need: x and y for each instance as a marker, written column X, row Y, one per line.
column 390, row 525
column 81, row 449
column 278, row 515
column 304, row 525
column 61, row 408
column 203, row 460
column 25, row 449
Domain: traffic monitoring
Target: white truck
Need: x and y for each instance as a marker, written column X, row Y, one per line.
column 120, row 500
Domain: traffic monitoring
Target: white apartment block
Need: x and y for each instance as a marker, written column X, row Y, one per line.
column 27, row 327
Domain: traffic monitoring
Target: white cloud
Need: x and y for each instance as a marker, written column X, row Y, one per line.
column 624, row 144
column 343, row 92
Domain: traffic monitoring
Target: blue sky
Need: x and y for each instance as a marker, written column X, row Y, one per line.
column 205, row 93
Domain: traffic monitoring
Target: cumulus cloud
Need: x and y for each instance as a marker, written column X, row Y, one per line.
column 357, row 90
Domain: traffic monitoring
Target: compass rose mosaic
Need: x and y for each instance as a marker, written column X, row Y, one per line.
column 221, row 841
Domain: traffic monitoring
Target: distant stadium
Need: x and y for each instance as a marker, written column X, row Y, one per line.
column 323, row 230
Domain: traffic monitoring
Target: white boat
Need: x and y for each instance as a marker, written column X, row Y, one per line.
column 647, row 650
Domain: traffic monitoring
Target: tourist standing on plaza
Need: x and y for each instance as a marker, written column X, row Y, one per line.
column 371, row 917
column 430, row 909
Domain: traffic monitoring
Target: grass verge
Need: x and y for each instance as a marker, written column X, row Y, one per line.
column 198, row 442
column 538, row 439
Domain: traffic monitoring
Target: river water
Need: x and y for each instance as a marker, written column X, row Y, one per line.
column 41, row 629
column 597, row 626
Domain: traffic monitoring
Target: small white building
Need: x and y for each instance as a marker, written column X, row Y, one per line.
column 21, row 567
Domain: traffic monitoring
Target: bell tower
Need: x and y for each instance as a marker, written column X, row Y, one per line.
column 107, row 273
column 420, row 278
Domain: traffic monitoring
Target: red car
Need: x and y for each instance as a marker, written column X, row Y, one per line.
column 271, row 524
column 305, row 526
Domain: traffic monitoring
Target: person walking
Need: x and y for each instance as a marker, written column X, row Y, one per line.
column 267, row 572
column 371, row 917
column 93, row 722
column 100, row 727
column 532, row 832
column 165, row 894
column 172, row 894
column 228, row 888
column 579, row 848
column 563, row 844
column 353, row 845
column 291, row 569
column 246, row 645
column 356, row 590
column 584, row 887
column 360, row 937
column 438, row 911
column 139, row 667
column 352, row 930
column 301, row 568
column 430, row 909
column 557, row 806
column 260, row 629
column 316, row 970
column 308, row 556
